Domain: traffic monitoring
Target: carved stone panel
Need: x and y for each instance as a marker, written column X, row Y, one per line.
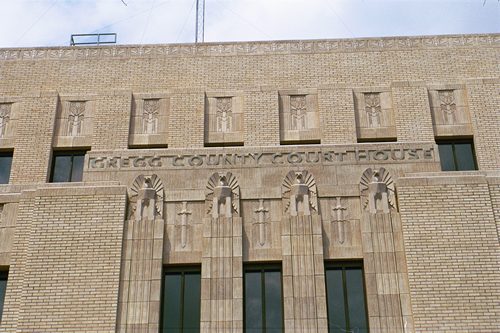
column 299, row 116
column 223, row 195
column 224, row 118
column 74, row 121
column 146, row 198
column 299, row 194
column 374, row 114
column 377, row 191
column 149, row 120
column 450, row 112
column 8, row 123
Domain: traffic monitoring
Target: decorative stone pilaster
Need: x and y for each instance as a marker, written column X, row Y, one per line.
column 222, row 264
column 142, row 260
column 302, row 248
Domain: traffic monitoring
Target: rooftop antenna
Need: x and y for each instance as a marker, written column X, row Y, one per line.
column 200, row 21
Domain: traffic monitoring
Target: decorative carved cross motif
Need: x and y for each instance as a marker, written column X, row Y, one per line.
column 373, row 109
column 261, row 222
column 224, row 114
column 448, row 105
column 298, row 112
column 4, row 118
column 184, row 213
column 338, row 215
column 75, row 118
column 150, row 112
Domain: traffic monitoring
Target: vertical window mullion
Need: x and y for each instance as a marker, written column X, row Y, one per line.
column 455, row 162
column 263, row 296
column 346, row 301
column 181, row 313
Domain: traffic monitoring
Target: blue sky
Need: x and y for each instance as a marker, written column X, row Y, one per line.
column 51, row 22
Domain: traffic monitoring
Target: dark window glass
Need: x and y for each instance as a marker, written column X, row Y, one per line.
column 263, row 299
column 346, row 298
column 181, row 300
column 67, row 166
column 457, row 155
column 5, row 165
column 3, row 288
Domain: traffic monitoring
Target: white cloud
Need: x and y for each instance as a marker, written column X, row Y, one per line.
column 51, row 22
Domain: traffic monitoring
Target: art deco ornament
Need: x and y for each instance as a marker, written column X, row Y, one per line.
column 377, row 191
column 299, row 193
column 146, row 198
column 223, row 193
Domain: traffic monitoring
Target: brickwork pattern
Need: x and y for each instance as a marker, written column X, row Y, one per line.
column 111, row 122
column 336, row 109
column 413, row 114
column 453, row 256
column 34, row 140
column 484, row 104
column 262, row 119
column 67, row 272
column 186, row 128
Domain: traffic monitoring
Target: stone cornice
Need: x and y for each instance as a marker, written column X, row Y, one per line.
column 251, row 48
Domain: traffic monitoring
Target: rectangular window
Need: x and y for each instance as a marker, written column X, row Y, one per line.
column 67, row 166
column 263, row 299
column 181, row 300
column 346, row 297
column 457, row 155
column 5, row 165
column 3, row 288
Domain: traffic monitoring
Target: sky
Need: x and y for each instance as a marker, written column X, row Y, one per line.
column 28, row 23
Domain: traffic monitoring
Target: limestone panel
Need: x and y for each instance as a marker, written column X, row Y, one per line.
column 74, row 121
column 9, row 117
column 224, row 118
column 374, row 114
column 149, row 120
column 450, row 110
column 299, row 116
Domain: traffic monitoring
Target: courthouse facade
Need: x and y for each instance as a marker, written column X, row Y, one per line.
column 290, row 186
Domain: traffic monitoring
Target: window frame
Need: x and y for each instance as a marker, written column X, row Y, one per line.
column 72, row 154
column 453, row 142
column 343, row 265
column 8, row 153
column 262, row 268
column 182, row 270
column 4, row 276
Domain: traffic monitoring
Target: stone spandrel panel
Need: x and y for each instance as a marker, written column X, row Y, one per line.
column 299, row 116
column 74, row 122
column 149, row 120
column 8, row 122
column 224, row 118
column 374, row 114
column 450, row 110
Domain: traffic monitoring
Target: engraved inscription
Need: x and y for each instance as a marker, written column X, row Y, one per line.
column 75, row 118
column 151, row 109
column 4, row 117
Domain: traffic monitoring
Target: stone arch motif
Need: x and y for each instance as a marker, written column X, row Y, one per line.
column 299, row 193
column 146, row 198
column 377, row 191
column 223, row 195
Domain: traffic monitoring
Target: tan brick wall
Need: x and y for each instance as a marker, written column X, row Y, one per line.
column 336, row 107
column 65, row 268
column 412, row 113
column 452, row 251
column 32, row 148
column 186, row 120
column 262, row 118
column 484, row 104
